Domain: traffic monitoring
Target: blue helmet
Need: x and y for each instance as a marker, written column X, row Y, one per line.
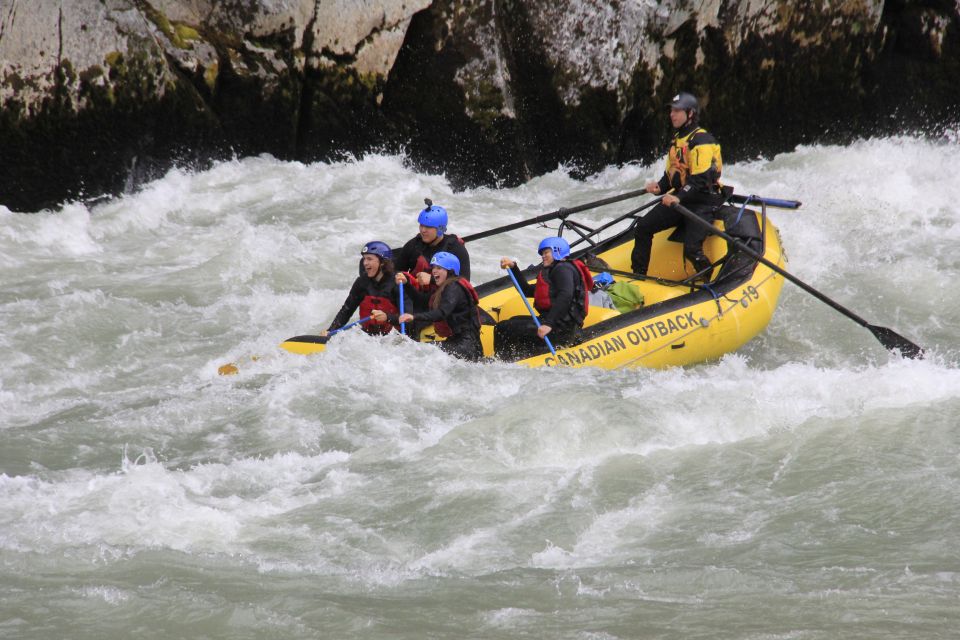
column 602, row 280
column 433, row 216
column 557, row 245
column 446, row 261
column 377, row 248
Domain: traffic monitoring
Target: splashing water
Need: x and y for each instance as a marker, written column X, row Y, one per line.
column 803, row 487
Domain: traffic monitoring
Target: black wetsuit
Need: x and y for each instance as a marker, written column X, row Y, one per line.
column 458, row 309
column 365, row 286
column 693, row 172
column 407, row 258
column 517, row 337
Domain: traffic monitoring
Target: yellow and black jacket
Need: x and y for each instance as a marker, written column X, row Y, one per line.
column 694, row 165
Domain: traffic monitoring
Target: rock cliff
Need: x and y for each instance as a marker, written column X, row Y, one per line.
column 99, row 95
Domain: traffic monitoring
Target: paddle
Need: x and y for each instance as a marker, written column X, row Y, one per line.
column 563, row 212
column 403, row 325
column 770, row 202
column 887, row 337
column 533, row 315
column 230, row 368
column 355, row 323
column 559, row 213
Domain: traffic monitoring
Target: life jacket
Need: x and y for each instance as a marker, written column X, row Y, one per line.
column 689, row 156
column 423, row 265
column 541, row 293
column 442, row 328
column 373, row 303
column 413, row 282
column 420, row 266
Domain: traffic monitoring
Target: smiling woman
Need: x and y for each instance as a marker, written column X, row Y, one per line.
column 451, row 308
column 374, row 293
column 386, row 490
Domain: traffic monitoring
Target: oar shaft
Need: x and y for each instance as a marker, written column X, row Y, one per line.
column 533, row 315
column 621, row 218
column 403, row 325
column 690, row 215
column 559, row 213
column 658, row 280
column 888, row 338
column 351, row 324
column 770, row 202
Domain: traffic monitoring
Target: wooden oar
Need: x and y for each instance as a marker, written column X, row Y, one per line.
column 889, row 338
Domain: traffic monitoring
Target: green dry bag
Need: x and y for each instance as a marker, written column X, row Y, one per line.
column 625, row 296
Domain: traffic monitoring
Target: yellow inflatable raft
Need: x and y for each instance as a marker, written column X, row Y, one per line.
column 679, row 323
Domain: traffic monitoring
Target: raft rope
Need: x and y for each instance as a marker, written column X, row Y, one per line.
column 716, row 298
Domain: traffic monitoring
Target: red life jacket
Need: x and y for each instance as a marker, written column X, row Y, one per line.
column 441, row 327
column 413, row 282
column 423, row 265
column 372, row 303
column 541, row 294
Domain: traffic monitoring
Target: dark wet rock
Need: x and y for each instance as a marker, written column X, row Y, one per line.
column 100, row 95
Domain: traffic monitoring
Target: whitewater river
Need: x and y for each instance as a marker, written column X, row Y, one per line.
column 807, row 486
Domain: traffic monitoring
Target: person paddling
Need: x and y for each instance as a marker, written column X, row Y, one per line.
column 692, row 176
column 452, row 308
column 560, row 296
column 374, row 292
column 415, row 256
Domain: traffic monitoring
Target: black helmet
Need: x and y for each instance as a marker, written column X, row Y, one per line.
column 687, row 102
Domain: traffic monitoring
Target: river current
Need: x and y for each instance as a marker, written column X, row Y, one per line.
column 804, row 487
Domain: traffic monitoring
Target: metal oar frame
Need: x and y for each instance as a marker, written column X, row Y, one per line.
column 588, row 235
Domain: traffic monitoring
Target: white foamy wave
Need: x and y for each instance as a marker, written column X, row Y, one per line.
column 63, row 234
column 383, row 462
column 203, row 509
